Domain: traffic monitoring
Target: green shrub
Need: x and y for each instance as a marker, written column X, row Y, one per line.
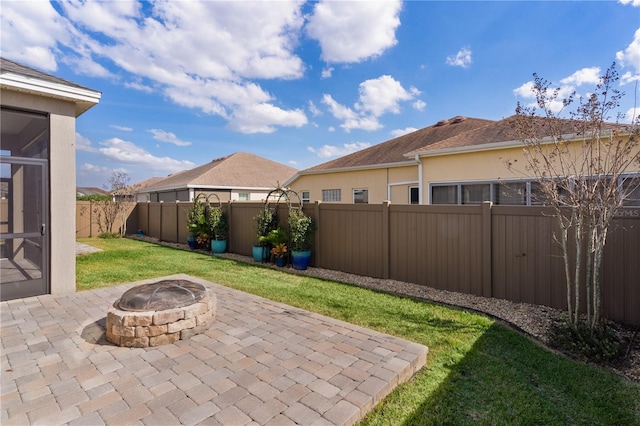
column 595, row 344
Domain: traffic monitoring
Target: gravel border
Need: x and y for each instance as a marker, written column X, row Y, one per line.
column 535, row 321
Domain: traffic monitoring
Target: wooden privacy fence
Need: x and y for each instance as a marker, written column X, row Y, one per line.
column 506, row 252
column 87, row 225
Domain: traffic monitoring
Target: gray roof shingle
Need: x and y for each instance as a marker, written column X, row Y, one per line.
column 238, row 170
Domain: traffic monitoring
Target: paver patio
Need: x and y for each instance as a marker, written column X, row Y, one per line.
column 261, row 362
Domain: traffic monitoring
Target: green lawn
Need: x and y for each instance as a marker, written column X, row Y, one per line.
column 478, row 371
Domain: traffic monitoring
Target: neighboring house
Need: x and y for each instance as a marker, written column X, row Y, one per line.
column 86, row 191
column 442, row 164
column 137, row 192
column 38, row 122
column 378, row 173
column 470, row 168
column 238, row 177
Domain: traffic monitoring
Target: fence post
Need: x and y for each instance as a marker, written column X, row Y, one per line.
column 385, row 239
column 178, row 222
column 90, row 219
column 487, row 263
column 316, row 242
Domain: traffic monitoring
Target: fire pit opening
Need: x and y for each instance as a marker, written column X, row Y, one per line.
column 161, row 312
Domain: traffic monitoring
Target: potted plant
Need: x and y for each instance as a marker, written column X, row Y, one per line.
column 218, row 229
column 266, row 221
column 301, row 228
column 277, row 238
column 196, row 224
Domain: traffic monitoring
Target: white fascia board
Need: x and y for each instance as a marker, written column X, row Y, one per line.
column 209, row 187
column 350, row 169
column 56, row 90
column 490, row 146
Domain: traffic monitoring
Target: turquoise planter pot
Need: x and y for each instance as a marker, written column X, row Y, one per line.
column 218, row 246
column 261, row 254
column 193, row 244
column 300, row 259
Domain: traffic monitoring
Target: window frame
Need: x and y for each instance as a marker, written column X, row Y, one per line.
column 364, row 191
column 333, row 195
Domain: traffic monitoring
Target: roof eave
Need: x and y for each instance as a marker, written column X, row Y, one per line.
column 83, row 98
column 489, row 146
column 350, row 169
column 210, row 187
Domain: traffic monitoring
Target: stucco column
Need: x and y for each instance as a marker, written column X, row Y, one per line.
column 62, row 182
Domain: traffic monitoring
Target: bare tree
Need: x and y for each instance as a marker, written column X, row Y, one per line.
column 107, row 213
column 583, row 166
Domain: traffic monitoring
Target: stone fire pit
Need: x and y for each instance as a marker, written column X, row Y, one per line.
column 159, row 313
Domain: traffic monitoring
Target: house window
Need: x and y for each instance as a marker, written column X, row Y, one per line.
column 414, row 195
column 631, row 187
column 305, row 196
column 444, row 194
column 513, row 193
column 476, row 193
column 361, row 196
column 331, row 195
column 243, row 196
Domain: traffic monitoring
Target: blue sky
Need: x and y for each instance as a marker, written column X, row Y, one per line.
column 301, row 83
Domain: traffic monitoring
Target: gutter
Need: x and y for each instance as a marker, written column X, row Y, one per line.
column 85, row 97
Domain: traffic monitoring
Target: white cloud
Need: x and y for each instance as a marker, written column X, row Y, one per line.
column 382, row 95
column 139, row 87
column 313, row 109
column 128, row 153
column 328, row 151
column 525, row 91
column 635, row 3
column 376, row 98
column 168, row 137
column 87, row 167
column 30, row 31
column 327, row 72
column 583, row 76
column 261, row 118
column 201, row 55
column 631, row 114
column 350, row 119
column 630, row 57
column 420, row 105
column 84, row 144
column 122, row 128
column 353, row 31
column 400, row 132
column 461, row 59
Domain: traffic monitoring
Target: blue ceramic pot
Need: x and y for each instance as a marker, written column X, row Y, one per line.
column 300, row 259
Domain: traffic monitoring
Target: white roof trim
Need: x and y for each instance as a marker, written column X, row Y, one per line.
column 49, row 88
column 207, row 187
column 489, row 146
column 349, row 169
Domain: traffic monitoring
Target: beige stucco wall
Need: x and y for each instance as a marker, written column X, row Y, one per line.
column 484, row 165
column 62, row 182
column 377, row 181
column 479, row 166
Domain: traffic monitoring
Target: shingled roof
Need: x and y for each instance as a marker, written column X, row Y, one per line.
column 238, row 170
column 502, row 133
column 394, row 150
column 8, row 66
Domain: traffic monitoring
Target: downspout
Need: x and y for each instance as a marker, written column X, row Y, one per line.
column 419, row 179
